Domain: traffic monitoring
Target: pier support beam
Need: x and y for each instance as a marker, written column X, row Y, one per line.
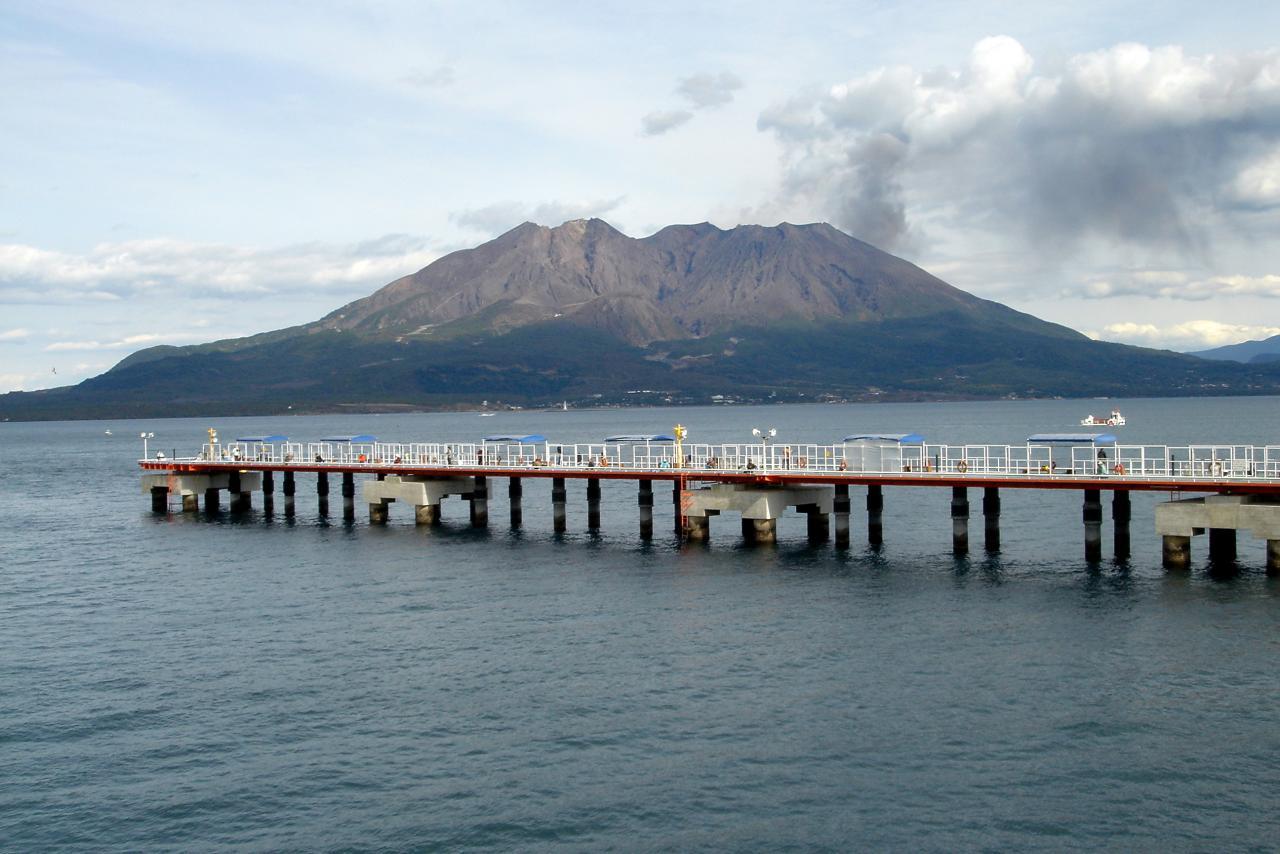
column 426, row 514
column 211, row 500
column 645, row 500
column 875, row 514
column 1175, row 552
column 515, row 494
column 348, row 496
column 698, row 528
column 289, row 488
column 760, row 531
column 160, row 499
column 240, row 499
column 268, row 491
column 677, row 501
column 190, row 504
column 423, row 493
column 959, row 520
column 480, row 503
column 378, row 512
column 991, row 518
column 189, row 486
column 818, row 524
column 558, row 501
column 1222, row 545
column 1121, row 513
column 593, row 505
column 840, row 507
column 1092, row 515
column 1273, row 557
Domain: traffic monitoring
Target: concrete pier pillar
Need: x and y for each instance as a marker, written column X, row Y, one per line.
column 515, row 494
column 1121, row 513
column 875, row 514
column 268, row 483
column 593, row 505
column 1222, row 544
column 558, row 497
column 426, row 514
column 991, row 518
column 480, row 503
column 1175, row 552
column 348, row 495
column 1273, row 557
column 760, row 530
column 645, row 500
column 677, row 499
column 840, row 506
column 819, row 525
column 211, row 501
column 289, row 487
column 322, row 493
column 959, row 520
column 239, row 499
column 378, row 513
column 698, row 528
column 190, row 504
column 1092, row 515
column 160, row 499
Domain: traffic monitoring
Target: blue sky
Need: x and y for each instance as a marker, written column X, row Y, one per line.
column 176, row 172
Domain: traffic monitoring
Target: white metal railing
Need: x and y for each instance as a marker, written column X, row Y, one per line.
column 1191, row 462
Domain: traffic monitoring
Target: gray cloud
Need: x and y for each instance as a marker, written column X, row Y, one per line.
column 497, row 218
column 706, row 90
column 661, row 121
column 1125, row 146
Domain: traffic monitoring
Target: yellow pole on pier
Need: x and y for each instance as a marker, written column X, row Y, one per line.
column 679, row 432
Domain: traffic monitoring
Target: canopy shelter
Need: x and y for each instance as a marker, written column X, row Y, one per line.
column 636, row 438
column 1077, row 453
column 530, row 439
column 883, row 452
column 357, row 439
column 269, row 439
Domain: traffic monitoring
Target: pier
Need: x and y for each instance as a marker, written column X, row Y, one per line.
column 1218, row 489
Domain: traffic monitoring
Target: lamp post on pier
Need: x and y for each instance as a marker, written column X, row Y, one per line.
column 764, row 436
column 145, row 437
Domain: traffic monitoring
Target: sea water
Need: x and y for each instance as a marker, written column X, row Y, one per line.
column 252, row 681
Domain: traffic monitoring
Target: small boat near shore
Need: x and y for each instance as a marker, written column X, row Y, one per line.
column 1115, row 420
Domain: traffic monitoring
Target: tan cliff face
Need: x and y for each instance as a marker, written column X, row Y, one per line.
column 685, row 281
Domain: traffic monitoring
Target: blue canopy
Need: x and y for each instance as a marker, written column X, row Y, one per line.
column 635, row 437
column 896, row 438
column 531, row 439
column 1072, row 439
column 274, row 437
column 359, row 439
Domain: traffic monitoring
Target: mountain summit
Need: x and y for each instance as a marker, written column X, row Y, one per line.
column 686, row 281
column 693, row 313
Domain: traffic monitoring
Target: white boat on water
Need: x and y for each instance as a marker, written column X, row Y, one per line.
column 1116, row 420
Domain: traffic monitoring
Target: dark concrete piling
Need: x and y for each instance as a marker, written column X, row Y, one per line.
column 160, row 499
column 190, row 504
column 480, row 503
column 515, row 495
column 991, row 518
column 558, row 496
column 289, row 487
column 875, row 514
column 211, row 501
column 593, row 505
column 818, row 524
column 840, row 506
column 645, row 500
column 348, row 495
column 426, row 514
column 959, row 520
column 1273, row 557
column 1222, row 544
column 1175, row 552
column 698, row 528
column 378, row 512
column 760, row 531
column 1121, row 513
column 1092, row 515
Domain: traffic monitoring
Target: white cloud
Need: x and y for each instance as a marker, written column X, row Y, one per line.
column 129, row 342
column 1130, row 146
column 1175, row 285
column 503, row 216
column 14, row 335
column 1189, row 335
column 111, row 271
